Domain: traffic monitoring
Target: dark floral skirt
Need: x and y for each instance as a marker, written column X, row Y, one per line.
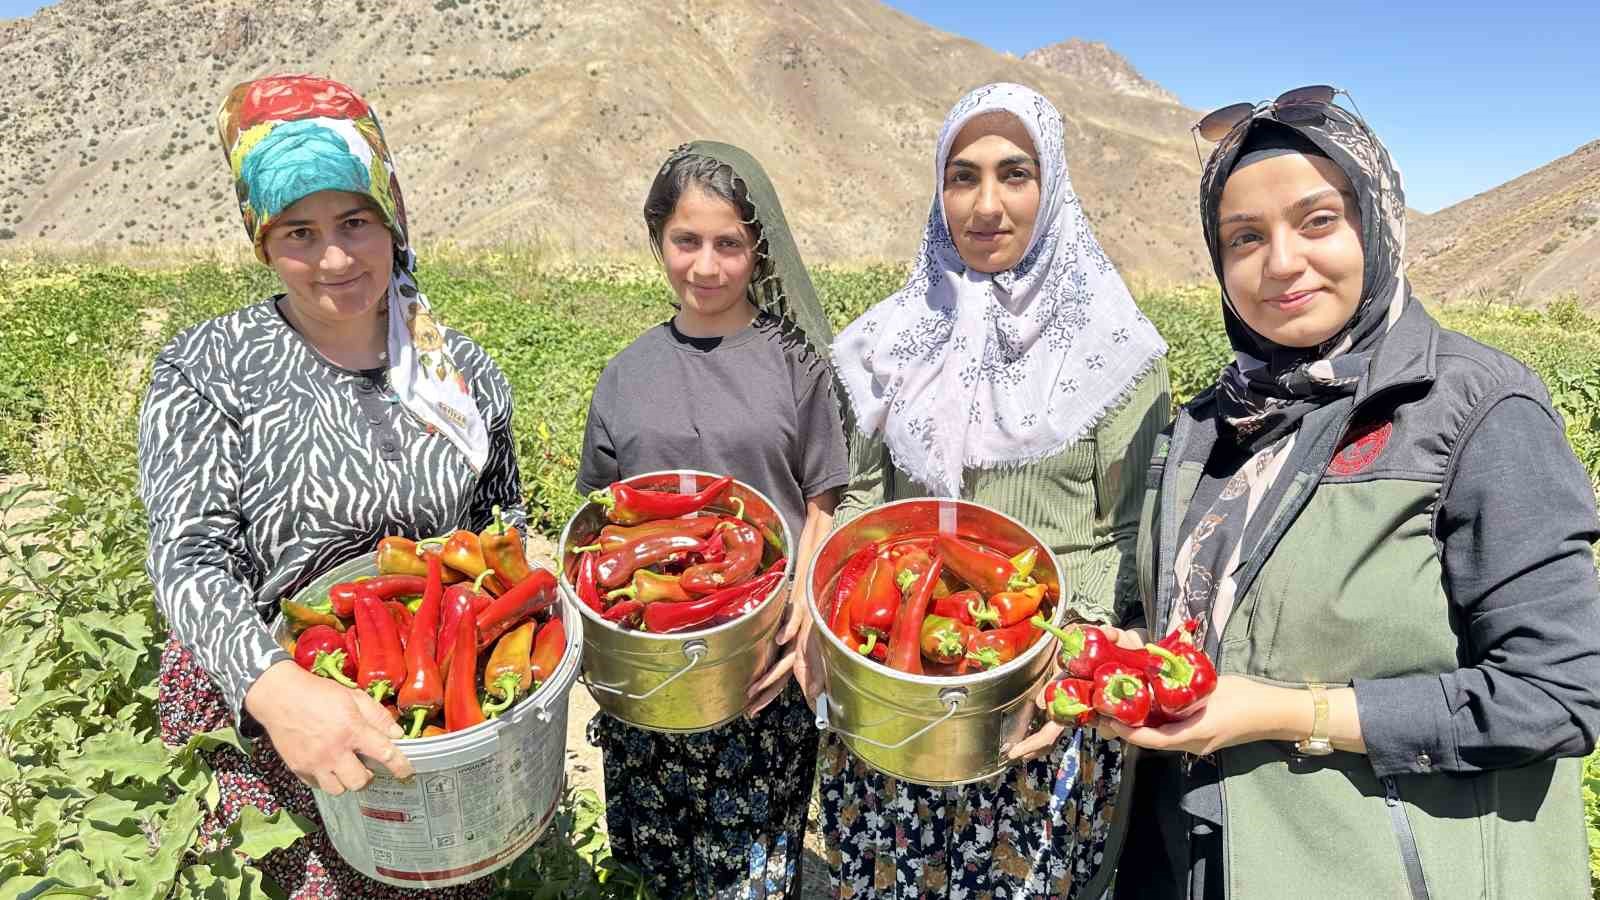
column 720, row 813
column 1038, row 830
column 189, row 703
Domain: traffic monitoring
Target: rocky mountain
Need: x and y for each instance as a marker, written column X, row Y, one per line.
column 1095, row 63
column 544, row 121
column 1529, row 240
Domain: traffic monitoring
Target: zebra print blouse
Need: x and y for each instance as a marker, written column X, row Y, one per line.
column 262, row 465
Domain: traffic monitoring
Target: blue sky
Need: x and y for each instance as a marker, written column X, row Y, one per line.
column 1466, row 94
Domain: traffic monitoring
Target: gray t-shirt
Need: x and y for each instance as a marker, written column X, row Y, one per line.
column 755, row 405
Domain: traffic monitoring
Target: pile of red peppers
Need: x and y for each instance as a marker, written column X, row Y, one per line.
column 670, row 562
column 936, row 604
column 1163, row 682
column 452, row 631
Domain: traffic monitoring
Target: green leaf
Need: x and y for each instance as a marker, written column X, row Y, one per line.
column 120, row 756
column 259, row 834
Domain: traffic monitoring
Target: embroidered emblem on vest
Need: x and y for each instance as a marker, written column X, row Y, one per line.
column 1360, row 447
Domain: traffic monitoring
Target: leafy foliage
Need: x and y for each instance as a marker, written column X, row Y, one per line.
column 92, row 803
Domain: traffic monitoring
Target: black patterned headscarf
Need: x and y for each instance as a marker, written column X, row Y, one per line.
column 1269, row 388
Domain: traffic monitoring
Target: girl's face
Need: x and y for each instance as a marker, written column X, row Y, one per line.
column 991, row 192
column 710, row 255
column 334, row 255
column 1290, row 229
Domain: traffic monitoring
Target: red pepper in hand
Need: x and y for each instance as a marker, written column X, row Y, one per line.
column 1180, row 679
column 966, row 607
column 461, row 709
column 1085, row 648
column 1070, row 701
column 1122, row 693
column 588, row 589
column 320, row 651
column 629, row 505
column 945, row 640
column 382, row 664
column 1014, row 606
column 874, row 604
column 743, row 545
column 662, row 618
column 503, row 551
column 615, row 567
column 1001, row 645
column 648, row 587
column 905, row 641
column 1181, row 636
column 548, row 648
column 342, row 596
column 981, row 568
column 422, row 695
column 533, row 595
column 508, row 672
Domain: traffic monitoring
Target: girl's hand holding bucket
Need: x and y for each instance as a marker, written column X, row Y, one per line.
column 318, row 727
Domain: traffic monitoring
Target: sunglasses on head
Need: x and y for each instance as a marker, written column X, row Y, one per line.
column 1301, row 106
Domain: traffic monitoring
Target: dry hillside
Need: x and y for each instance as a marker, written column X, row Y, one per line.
column 545, row 120
column 1095, row 63
column 1530, row 239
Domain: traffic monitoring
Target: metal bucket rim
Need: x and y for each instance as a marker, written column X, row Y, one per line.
column 971, row 680
column 666, row 641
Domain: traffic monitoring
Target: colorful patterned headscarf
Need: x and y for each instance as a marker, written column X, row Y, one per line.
column 289, row 136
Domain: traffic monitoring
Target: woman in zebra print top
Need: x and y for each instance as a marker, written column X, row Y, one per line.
column 287, row 437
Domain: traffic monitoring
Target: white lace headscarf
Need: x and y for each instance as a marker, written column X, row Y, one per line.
column 963, row 369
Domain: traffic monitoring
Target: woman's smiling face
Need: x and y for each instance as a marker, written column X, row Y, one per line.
column 334, row 254
column 1290, row 233
column 991, row 192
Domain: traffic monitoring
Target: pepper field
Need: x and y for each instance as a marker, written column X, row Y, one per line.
column 92, row 803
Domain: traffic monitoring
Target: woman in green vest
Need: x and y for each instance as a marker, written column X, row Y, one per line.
column 1385, row 539
column 1012, row 369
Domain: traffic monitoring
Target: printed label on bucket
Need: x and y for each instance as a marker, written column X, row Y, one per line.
column 452, row 822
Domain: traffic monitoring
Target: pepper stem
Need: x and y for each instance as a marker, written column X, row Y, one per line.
column 505, row 689
column 477, row 583
column 1020, row 582
column 1175, row 671
column 988, row 657
column 499, row 525
column 331, row 665
column 905, row 580
column 1064, row 707
column 872, row 641
column 1123, row 687
column 602, row 498
column 631, row 592
column 950, row 643
column 378, row 690
column 418, row 716
column 1071, row 641
column 982, row 613
column 738, row 507
column 429, row 542
column 586, row 548
column 1025, row 561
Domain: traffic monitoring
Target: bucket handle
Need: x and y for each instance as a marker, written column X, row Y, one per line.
column 695, row 650
column 950, row 697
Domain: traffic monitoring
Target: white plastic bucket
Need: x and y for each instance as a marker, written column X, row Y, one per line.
column 480, row 797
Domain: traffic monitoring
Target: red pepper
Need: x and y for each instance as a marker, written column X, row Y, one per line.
column 858, row 567
column 1180, row 679
column 461, row 709
column 400, row 556
column 503, row 551
column 463, row 551
column 320, row 651
column 1015, row 606
column 423, row 693
column 588, row 590
column 615, row 567
column 532, row 595
column 625, row 614
column 342, row 596
column 751, row 600
column 743, row 546
column 301, row 617
column 905, row 643
column 508, row 671
column 945, row 640
column 1122, row 693
column 648, row 587
column 910, row 561
column 981, row 568
column 1085, row 648
column 1180, row 636
column 352, row 646
column 629, row 505
column 1070, row 701
column 402, row 620
column 548, row 648
column 1001, row 645
column 966, row 607
column 613, row 536
column 873, row 605
column 383, row 663
column 460, row 601
column 662, row 618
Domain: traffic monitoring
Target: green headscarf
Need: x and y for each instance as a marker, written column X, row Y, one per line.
column 785, row 290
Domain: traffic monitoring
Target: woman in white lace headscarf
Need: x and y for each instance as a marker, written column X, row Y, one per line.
column 1013, row 369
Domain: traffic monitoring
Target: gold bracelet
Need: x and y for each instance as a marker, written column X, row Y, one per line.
column 1317, row 743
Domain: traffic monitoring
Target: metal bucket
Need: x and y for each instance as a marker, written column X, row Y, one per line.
column 686, row 681
column 480, row 797
column 933, row 730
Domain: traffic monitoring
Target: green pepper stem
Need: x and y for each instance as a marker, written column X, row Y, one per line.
column 331, row 665
column 982, row 613
column 499, row 525
column 505, row 687
column 418, row 716
column 1025, row 561
column 1065, row 707
column 988, row 657
column 1123, row 686
column 603, row 498
column 871, row 642
column 1020, row 582
column 430, row 542
column 905, row 580
column 477, row 583
column 630, row 592
column 950, row 643
column 1175, row 671
column 586, row 548
column 1071, row 641
column 378, row 690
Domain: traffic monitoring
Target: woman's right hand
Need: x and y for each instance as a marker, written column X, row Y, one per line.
column 318, row 727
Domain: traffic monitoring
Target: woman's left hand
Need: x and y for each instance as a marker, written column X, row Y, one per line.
column 1239, row 711
column 770, row 683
